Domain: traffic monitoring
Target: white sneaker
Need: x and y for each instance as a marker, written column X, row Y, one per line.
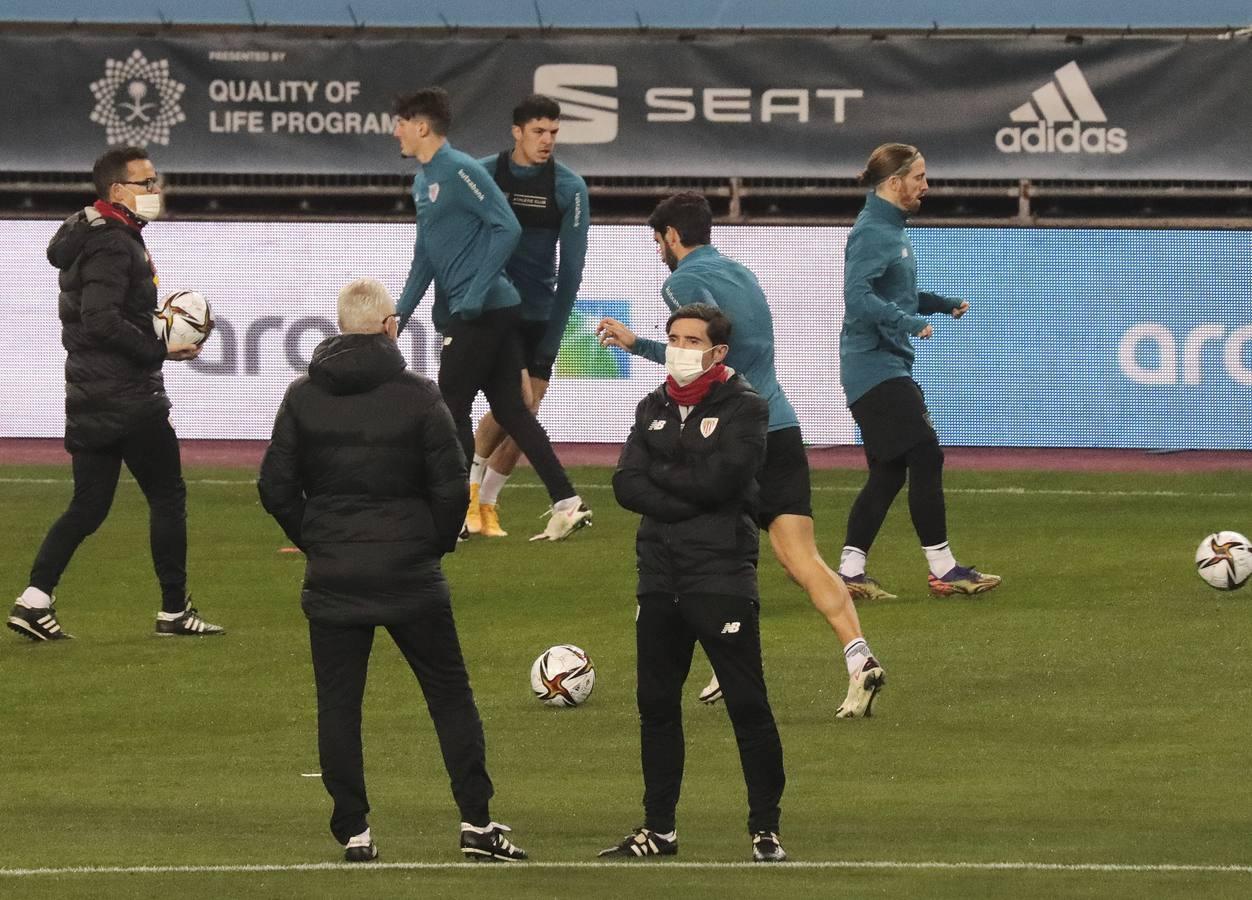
column 360, row 848
column 562, row 524
column 862, row 688
column 711, row 693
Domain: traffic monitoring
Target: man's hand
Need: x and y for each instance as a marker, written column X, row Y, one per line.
column 613, row 333
column 180, row 352
column 961, row 310
column 926, row 332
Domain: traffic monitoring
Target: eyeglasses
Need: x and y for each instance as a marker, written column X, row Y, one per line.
column 387, row 319
column 148, row 184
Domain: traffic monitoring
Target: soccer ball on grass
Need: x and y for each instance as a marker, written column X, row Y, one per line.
column 562, row 676
column 1224, row 560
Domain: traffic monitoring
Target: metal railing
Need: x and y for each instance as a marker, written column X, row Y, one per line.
column 754, row 200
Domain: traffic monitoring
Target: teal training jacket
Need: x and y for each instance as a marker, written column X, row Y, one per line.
column 882, row 306
column 705, row 276
column 466, row 232
column 547, row 294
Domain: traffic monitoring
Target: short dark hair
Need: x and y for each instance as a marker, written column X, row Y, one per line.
column 110, row 168
column 536, row 106
column 689, row 214
column 431, row 104
column 885, row 161
column 718, row 324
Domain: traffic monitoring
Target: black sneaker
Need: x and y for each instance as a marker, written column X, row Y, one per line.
column 360, row 848
column 489, row 844
column 765, row 847
column 643, row 842
column 37, row 623
column 188, row 623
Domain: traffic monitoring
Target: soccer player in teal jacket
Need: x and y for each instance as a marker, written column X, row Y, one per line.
column 682, row 227
column 551, row 203
column 883, row 311
column 466, row 233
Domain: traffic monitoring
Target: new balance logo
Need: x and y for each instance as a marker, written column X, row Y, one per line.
column 730, row 628
column 586, row 117
column 1060, row 111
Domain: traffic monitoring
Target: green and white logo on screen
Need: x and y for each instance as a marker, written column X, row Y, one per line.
column 581, row 355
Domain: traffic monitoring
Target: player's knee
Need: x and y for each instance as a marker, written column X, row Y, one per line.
column 887, row 479
column 659, row 706
column 927, row 457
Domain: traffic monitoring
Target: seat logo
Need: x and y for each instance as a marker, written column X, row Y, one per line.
column 587, row 117
column 137, row 101
column 1061, row 116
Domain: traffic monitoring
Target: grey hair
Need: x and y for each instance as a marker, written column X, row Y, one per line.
column 364, row 306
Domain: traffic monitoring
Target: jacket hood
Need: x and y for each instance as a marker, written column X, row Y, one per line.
column 355, row 363
column 67, row 244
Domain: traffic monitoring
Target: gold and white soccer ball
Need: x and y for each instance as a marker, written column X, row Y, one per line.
column 562, row 676
column 1224, row 560
column 183, row 317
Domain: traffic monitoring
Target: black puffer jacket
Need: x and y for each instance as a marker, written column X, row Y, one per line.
column 695, row 484
column 108, row 294
column 365, row 474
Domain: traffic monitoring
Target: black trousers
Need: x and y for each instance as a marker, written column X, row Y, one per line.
column 486, row 355
column 922, row 466
column 727, row 627
column 430, row 646
column 151, row 454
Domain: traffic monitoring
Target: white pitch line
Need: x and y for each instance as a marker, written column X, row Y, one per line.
column 894, row 865
column 838, row 489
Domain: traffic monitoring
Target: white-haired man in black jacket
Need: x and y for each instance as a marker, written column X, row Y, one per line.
column 365, row 475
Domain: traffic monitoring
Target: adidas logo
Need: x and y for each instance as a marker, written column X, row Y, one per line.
column 1061, row 111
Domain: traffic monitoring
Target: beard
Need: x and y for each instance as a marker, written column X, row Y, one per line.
column 670, row 259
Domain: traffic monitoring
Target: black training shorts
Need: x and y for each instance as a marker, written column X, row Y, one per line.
column 532, row 336
column 893, row 419
column 784, row 478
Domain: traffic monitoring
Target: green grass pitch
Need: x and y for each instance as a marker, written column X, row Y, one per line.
column 1093, row 710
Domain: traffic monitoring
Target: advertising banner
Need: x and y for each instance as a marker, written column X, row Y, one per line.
column 766, row 106
column 1075, row 338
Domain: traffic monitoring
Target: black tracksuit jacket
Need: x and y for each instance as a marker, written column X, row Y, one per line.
column 695, row 484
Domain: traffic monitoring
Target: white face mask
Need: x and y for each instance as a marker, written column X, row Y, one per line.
column 148, row 206
column 684, row 364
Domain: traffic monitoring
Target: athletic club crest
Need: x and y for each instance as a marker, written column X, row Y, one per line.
column 137, row 101
column 707, row 427
column 433, row 192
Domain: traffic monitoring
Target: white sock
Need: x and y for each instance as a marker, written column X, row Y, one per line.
column 33, row 598
column 940, row 559
column 855, row 655
column 670, row 836
column 493, row 483
column 478, row 829
column 476, row 469
column 852, row 562
column 569, row 504
column 360, row 840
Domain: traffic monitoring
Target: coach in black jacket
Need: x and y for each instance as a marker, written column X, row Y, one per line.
column 689, row 467
column 365, row 475
column 116, row 409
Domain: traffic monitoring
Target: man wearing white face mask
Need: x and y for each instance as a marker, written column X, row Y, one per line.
column 690, row 468
column 116, row 408
column 682, row 226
